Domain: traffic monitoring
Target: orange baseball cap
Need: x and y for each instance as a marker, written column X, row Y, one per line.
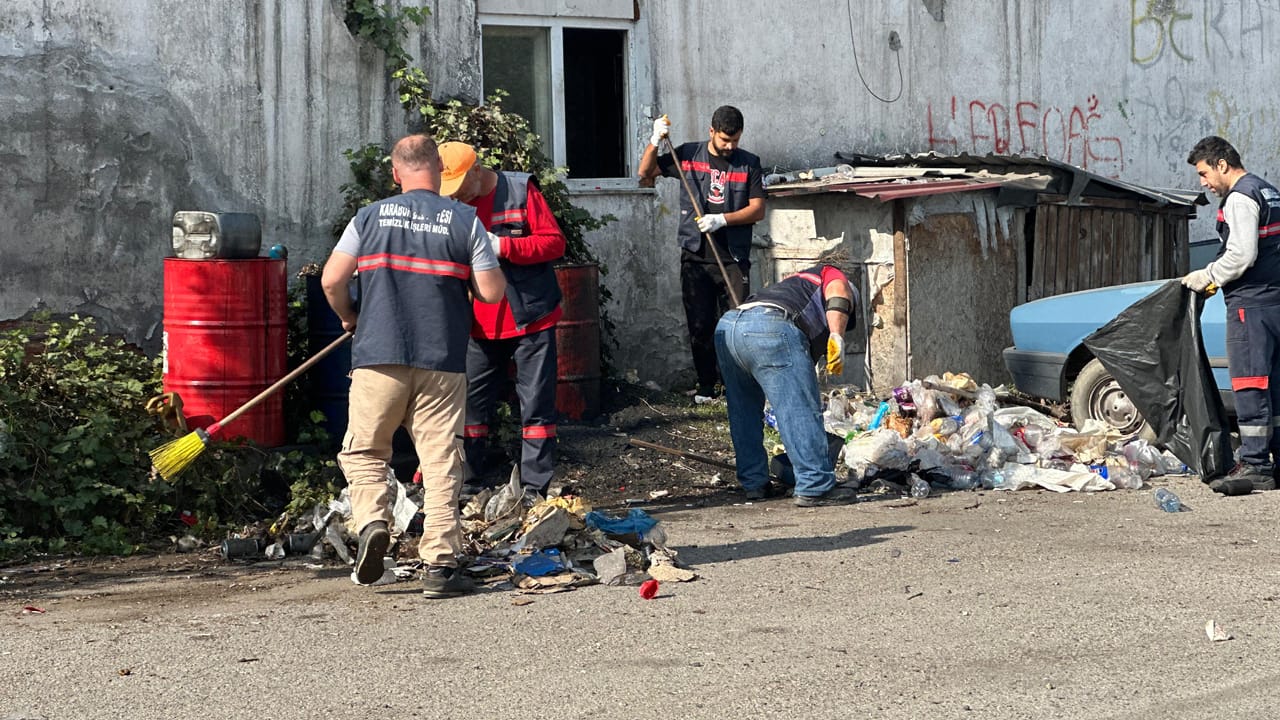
column 458, row 158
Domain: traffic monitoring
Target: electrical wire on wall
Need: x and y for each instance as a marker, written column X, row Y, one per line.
column 894, row 44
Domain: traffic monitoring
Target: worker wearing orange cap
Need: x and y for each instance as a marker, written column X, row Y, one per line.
column 520, row 327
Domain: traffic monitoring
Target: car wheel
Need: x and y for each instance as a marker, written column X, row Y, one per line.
column 1097, row 395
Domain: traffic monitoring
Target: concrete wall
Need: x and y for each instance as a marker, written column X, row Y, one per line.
column 1122, row 89
column 117, row 114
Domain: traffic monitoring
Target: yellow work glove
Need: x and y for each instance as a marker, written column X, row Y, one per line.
column 835, row 354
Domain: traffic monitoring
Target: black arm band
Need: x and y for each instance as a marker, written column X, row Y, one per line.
column 840, row 305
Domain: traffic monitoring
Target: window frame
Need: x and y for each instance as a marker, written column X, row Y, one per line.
column 555, row 27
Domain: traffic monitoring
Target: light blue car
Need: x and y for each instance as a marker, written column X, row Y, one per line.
column 1049, row 360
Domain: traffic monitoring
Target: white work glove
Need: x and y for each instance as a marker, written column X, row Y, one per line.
column 661, row 129
column 495, row 242
column 1197, row 280
column 711, row 223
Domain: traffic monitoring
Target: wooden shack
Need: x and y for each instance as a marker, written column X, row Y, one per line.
column 942, row 248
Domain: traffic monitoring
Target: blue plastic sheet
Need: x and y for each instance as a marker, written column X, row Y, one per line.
column 637, row 522
column 543, row 562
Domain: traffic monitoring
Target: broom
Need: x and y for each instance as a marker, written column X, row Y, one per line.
column 175, row 456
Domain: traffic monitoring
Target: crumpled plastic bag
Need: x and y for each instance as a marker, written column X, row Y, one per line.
column 637, row 522
column 541, row 563
column 511, row 499
column 883, row 448
column 1018, row 477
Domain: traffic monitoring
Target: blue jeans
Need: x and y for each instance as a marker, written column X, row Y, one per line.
column 763, row 355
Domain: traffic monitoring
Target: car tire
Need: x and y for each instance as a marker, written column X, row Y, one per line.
column 1096, row 395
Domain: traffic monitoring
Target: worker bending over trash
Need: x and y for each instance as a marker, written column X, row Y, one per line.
column 764, row 350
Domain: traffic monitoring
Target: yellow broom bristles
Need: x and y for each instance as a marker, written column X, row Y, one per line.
column 175, row 456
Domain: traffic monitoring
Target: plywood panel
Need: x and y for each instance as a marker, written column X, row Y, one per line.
column 960, row 296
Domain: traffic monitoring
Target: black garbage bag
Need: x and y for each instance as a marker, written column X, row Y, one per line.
column 1154, row 351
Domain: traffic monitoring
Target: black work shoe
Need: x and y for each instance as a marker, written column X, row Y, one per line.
column 439, row 581
column 1262, row 476
column 769, row 490
column 1244, row 479
column 1230, row 486
column 374, row 540
column 838, row 495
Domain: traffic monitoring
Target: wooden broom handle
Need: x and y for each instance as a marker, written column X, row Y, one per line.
column 293, row 375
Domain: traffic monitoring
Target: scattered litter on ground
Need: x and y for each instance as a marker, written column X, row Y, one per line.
column 513, row 537
column 1215, row 632
column 649, row 589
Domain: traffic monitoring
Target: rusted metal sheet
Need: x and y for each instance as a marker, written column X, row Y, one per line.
column 886, row 191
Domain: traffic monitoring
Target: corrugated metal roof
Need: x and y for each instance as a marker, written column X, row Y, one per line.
column 888, row 182
column 885, row 189
column 904, row 176
column 1075, row 181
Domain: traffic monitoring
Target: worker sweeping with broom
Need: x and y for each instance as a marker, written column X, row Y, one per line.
column 418, row 254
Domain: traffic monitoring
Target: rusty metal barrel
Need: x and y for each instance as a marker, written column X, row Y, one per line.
column 578, row 342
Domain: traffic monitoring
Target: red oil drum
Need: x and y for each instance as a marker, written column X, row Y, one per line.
column 225, row 329
column 578, row 342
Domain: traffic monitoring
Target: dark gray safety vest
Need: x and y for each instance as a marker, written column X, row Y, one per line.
column 801, row 296
column 415, row 271
column 532, row 290
column 1260, row 284
column 695, row 160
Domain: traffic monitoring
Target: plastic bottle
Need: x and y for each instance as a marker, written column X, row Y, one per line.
column 992, row 479
column 920, row 488
column 964, row 480
column 945, row 426
column 1167, row 501
column 879, row 416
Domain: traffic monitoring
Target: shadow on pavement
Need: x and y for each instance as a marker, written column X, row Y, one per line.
column 785, row 546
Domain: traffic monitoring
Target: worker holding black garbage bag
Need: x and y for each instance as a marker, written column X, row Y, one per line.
column 1247, row 269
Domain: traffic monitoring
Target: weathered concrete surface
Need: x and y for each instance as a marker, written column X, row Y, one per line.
column 1001, row 606
column 117, row 115
column 643, row 260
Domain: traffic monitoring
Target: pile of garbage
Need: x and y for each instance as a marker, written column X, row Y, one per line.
column 513, row 538
column 950, row 433
column 540, row 545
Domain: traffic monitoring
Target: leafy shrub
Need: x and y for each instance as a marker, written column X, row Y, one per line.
column 75, row 473
column 73, row 451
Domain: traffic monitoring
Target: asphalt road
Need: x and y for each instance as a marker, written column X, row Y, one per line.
column 993, row 605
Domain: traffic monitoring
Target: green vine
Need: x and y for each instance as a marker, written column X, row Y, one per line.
column 385, row 27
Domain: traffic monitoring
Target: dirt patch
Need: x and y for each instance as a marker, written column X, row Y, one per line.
column 599, row 461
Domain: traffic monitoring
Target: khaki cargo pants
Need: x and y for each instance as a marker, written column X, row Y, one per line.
column 431, row 405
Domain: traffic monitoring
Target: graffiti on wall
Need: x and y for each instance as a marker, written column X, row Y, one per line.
column 1194, row 30
column 1070, row 134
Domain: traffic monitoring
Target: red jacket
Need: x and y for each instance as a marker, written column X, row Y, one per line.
column 543, row 243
